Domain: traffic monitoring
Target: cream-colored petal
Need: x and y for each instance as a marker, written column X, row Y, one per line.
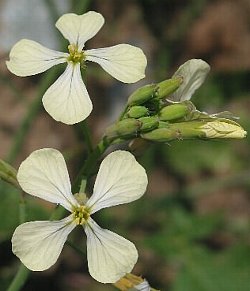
column 144, row 286
column 38, row 244
column 28, row 57
column 44, row 174
column 80, row 28
column 110, row 256
column 121, row 179
column 193, row 73
column 124, row 62
column 67, row 100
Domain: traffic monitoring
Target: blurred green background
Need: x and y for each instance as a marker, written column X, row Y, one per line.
column 192, row 226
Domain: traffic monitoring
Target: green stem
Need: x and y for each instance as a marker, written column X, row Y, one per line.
column 84, row 129
column 22, row 273
column 87, row 170
column 19, row 279
column 81, row 6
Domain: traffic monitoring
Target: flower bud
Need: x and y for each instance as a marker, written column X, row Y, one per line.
column 125, row 128
column 176, row 111
column 8, row 174
column 173, row 131
column 167, row 87
column 142, row 94
column 204, row 129
column 148, row 123
column 137, row 112
column 223, row 128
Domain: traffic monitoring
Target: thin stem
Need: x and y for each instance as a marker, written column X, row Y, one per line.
column 84, row 129
column 81, row 6
column 87, row 170
column 52, row 9
column 22, row 273
column 19, row 279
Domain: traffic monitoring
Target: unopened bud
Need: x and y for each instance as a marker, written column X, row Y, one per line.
column 182, row 130
column 137, row 111
column 220, row 128
column 142, row 94
column 176, row 111
column 167, row 87
column 148, row 123
column 8, row 174
column 124, row 128
column 223, row 128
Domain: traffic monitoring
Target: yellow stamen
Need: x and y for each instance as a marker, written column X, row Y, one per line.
column 81, row 214
column 75, row 56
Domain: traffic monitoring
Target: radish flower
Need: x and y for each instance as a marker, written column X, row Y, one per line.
column 121, row 179
column 67, row 100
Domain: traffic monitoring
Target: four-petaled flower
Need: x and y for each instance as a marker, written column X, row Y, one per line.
column 121, row 179
column 67, row 100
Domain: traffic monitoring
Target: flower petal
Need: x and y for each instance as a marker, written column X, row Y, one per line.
column 121, row 179
column 124, row 62
column 144, row 286
column 28, row 57
column 193, row 73
column 44, row 174
column 80, row 28
column 67, row 100
column 38, row 244
column 110, row 256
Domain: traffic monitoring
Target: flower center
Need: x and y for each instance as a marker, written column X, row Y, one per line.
column 81, row 214
column 75, row 56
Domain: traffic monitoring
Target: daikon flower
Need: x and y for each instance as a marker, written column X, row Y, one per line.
column 38, row 244
column 67, row 100
column 193, row 74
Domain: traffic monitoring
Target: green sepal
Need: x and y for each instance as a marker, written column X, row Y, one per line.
column 167, row 87
column 125, row 128
column 148, row 123
column 142, row 94
column 176, row 111
column 137, row 112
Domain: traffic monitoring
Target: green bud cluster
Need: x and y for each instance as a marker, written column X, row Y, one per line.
column 151, row 116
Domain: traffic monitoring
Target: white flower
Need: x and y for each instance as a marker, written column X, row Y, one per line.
column 67, row 100
column 121, row 179
column 193, row 74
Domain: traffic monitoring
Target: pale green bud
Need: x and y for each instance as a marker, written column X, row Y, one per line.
column 142, row 94
column 176, row 111
column 167, row 87
column 8, row 174
column 223, row 128
column 148, row 123
column 220, row 128
column 182, row 130
column 125, row 128
column 137, row 112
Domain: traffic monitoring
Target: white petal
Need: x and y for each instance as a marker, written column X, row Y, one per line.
column 67, row 100
column 80, row 28
column 144, row 286
column 193, row 73
column 110, row 256
column 124, row 62
column 121, row 179
column 28, row 57
column 44, row 174
column 38, row 244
